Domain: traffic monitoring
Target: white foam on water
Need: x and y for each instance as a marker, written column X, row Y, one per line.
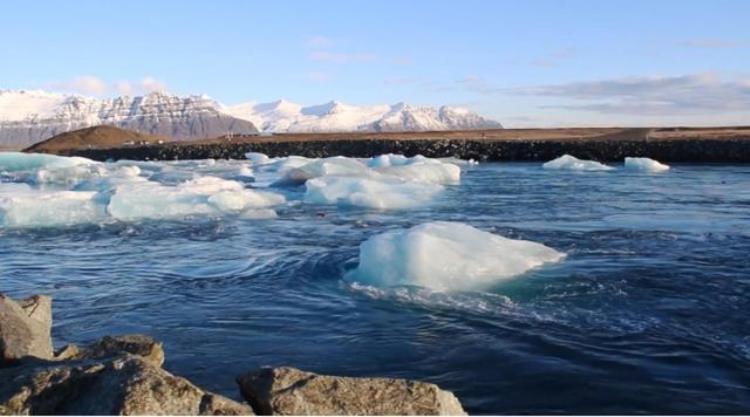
column 645, row 164
column 571, row 163
column 446, row 256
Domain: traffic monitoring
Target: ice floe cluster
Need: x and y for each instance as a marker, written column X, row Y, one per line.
column 45, row 190
column 39, row 190
column 382, row 182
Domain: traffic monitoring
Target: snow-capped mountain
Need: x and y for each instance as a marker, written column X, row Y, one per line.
column 27, row 117
column 334, row 116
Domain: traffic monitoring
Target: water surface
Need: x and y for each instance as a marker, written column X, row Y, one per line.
column 647, row 314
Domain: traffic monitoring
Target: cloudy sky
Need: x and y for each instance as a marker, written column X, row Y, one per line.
column 524, row 63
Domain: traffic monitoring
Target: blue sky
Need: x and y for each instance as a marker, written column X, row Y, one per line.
column 540, row 63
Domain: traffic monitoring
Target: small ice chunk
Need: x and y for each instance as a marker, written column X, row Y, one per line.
column 446, row 256
column 257, row 158
column 645, row 164
column 568, row 162
column 387, row 160
column 382, row 194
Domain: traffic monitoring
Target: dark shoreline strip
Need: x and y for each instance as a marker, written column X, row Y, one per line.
column 734, row 150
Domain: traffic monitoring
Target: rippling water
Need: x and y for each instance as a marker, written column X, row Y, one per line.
column 648, row 312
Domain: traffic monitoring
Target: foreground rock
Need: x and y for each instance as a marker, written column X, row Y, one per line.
column 25, row 328
column 289, row 391
column 117, row 375
column 146, row 347
column 124, row 385
column 122, row 375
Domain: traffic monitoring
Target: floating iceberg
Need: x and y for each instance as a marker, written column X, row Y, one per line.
column 427, row 172
column 205, row 195
column 366, row 192
column 387, row 160
column 257, row 158
column 446, row 256
column 568, row 162
column 645, row 164
column 24, row 206
column 337, row 165
column 21, row 161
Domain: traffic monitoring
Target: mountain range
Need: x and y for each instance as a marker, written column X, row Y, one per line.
column 27, row 117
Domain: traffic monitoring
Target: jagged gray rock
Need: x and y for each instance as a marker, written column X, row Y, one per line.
column 144, row 346
column 289, row 391
column 124, row 385
column 25, row 327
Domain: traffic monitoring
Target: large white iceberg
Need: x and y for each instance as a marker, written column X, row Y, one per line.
column 568, row 162
column 380, row 193
column 446, row 256
column 645, row 164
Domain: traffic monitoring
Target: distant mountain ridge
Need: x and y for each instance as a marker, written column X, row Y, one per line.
column 28, row 117
column 283, row 116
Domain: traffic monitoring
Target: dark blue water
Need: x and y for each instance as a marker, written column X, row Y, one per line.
column 647, row 314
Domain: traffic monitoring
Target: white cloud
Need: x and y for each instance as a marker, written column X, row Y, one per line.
column 701, row 93
column 319, row 42
column 150, row 84
column 342, row 57
column 124, row 88
column 95, row 86
column 85, row 84
column 714, row 44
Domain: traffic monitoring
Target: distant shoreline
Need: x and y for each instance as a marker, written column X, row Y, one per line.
column 677, row 144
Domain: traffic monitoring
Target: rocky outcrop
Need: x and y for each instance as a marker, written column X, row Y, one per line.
column 289, row 391
column 117, row 375
column 122, row 385
column 146, row 347
column 25, row 328
column 122, row 375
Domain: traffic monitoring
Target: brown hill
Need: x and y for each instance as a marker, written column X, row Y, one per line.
column 102, row 136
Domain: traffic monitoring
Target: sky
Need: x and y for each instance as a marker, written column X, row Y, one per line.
column 524, row 63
